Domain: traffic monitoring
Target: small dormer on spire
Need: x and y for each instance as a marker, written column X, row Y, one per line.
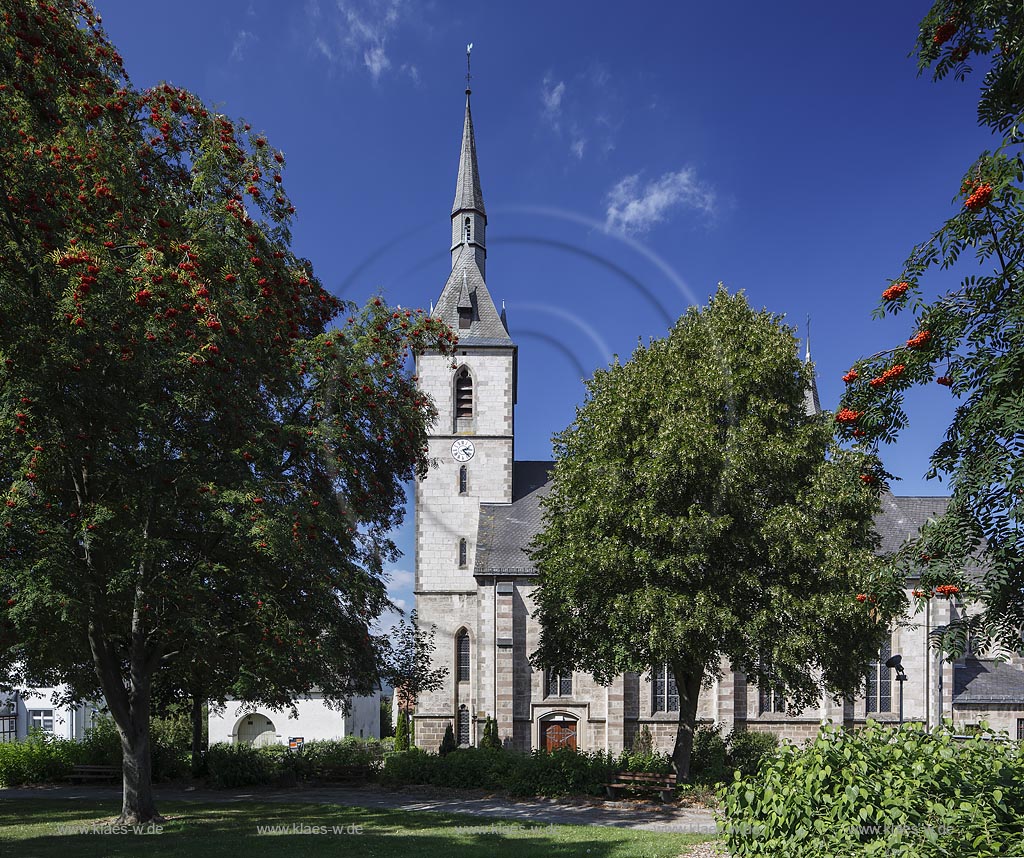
column 469, row 218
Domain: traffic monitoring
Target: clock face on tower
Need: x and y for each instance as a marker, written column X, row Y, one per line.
column 462, row 450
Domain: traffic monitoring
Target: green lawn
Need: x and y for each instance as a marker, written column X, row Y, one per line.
column 38, row 829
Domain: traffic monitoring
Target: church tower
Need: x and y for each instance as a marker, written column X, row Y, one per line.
column 472, row 444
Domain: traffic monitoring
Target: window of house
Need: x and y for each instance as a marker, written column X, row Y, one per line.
column 8, row 728
column 462, row 732
column 41, row 719
column 879, row 686
column 462, row 656
column 463, row 394
column 666, row 694
column 1020, row 729
column 559, row 684
column 463, row 553
column 463, row 480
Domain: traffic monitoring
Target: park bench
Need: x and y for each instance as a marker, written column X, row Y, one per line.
column 664, row 785
column 347, row 773
column 80, row 774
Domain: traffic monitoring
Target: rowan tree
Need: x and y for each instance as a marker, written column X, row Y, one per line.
column 202, row 450
column 698, row 511
column 970, row 340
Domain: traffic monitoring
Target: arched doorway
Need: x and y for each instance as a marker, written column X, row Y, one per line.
column 256, row 730
column 558, row 731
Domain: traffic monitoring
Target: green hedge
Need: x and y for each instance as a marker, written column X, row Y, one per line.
column 715, row 758
column 43, row 758
column 901, row 793
column 230, row 766
column 558, row 773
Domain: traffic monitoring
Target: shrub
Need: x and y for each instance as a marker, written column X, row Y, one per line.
column 40, row 758
column 403, row 739
column 746, row 750
column 230, row 766
column 489, row 739
column 643, row 743
column 899, row 792
column 708, row 760
column 448, row 743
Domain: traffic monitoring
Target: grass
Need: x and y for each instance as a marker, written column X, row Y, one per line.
column 43, row 828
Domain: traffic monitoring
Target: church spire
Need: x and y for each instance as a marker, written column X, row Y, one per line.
column 812, row 404
column 465, row 304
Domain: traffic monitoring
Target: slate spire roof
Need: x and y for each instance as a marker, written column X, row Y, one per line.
column 468, row 196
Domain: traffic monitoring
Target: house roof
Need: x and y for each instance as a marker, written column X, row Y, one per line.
column 902, row 517
column 979, row 680
column 506, row 530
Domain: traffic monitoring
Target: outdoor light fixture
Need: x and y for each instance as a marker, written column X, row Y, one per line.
column 896, row 663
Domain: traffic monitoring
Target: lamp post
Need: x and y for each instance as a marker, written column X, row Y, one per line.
column 896, row 663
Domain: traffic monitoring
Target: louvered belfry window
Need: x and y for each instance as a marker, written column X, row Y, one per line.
column 469, row 230
column 462, row 656
column 463, row 394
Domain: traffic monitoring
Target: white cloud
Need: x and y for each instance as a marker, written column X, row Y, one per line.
column 401, row 579
column 577, row 146
column 355, row 33
column 242, row 39
column 551, row 95
column 634, row 207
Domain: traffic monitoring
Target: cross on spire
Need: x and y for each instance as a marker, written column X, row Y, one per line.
column 469, row 50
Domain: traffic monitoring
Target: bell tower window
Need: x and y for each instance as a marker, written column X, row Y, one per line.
column 469, row 230
column 463, row 480
column 463, row 393
column 463, row 554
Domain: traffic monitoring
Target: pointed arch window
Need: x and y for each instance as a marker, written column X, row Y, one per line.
column 469, row 229
column 462, row 656
column 463, row 480
column 463, row 393
column 463, row 553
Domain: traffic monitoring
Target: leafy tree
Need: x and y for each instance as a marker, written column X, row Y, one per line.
column 697, row 511
column 448, row 743
column 408, row 660
column 969, row 339
column 200, row 467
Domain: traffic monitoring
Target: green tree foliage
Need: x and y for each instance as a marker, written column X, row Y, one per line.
column 408, row 659
column 202, row 451
column 698, row 512
column 969, row 339
column 490, row 739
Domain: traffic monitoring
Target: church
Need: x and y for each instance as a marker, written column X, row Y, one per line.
column 478, row 510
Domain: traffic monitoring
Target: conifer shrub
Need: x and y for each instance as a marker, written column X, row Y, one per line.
column 448, row 743
column 898, row 792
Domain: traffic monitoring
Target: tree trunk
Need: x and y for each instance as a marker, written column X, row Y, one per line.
column 688, row 685
column 197, row 734
column 137, row 805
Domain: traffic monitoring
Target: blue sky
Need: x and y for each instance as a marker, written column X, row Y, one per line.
column 632, row 156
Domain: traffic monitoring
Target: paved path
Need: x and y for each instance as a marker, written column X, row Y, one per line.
column 621, row 814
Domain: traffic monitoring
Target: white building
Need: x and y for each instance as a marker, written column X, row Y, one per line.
column 21, row 711
column 241, row 723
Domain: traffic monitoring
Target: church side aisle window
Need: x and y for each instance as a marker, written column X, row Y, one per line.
column 462, row 734
column 462, row 656
column 879, row 687
column 666, row 694
column 559, row 684
column 463, row 554
column 770, row 700
column 463, row 394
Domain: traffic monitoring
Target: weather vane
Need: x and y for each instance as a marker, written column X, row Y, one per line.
column 469, row 50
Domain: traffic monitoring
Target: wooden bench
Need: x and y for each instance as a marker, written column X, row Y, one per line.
column 335, row 773
column 664, row 785
column 80, row 774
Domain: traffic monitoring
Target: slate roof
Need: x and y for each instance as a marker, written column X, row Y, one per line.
column 902, row 517
column 468, row 194
column 507, row 529
column 986, row 681
column 486, row 327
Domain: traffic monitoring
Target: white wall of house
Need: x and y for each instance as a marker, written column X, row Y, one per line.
column 315, row 720
column 36, row 707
